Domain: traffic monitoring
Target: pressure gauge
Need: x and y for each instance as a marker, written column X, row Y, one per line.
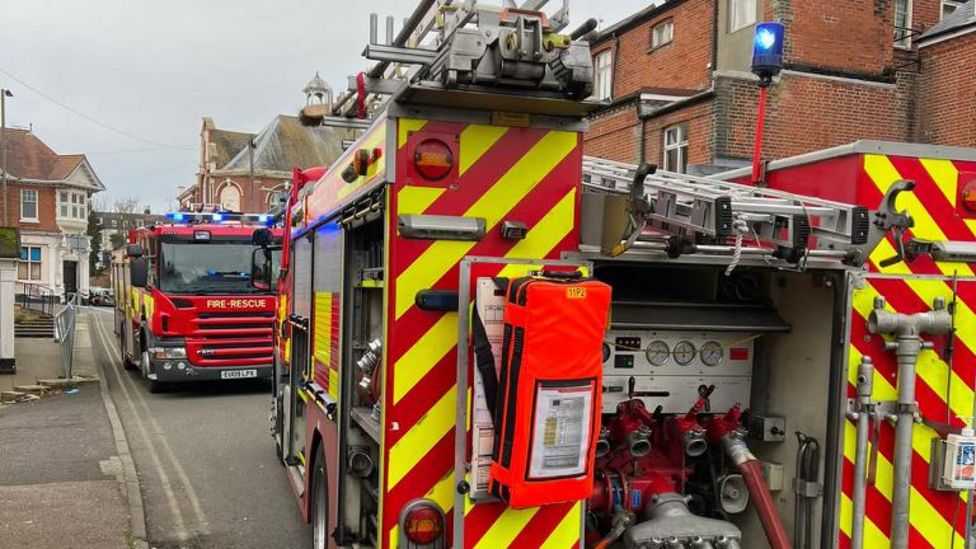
column 712, row 353
column 606, row 351
column 684, row 352
column 658, row 353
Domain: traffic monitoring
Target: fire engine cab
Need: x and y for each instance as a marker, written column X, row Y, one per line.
column 486, row 339
column 185, row 308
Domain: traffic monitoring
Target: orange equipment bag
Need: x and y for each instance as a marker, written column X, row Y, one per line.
column 549, row 388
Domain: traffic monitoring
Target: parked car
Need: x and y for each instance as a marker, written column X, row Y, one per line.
column 101, row 297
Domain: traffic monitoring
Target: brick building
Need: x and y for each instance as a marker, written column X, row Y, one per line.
column 249, row 172
column 675, row 77
column 48, row 197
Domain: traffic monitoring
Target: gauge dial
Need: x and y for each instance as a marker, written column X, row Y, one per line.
column 684, row 352
column 712, row 353
column 606, row 352
column 658, row 353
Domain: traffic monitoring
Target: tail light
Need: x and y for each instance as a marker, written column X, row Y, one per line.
column 423, row 523
column 433, row 159
column 968, row 196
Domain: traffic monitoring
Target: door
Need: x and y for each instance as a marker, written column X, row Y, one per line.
column 944, row 376
column 70, row 274
column 296, row 397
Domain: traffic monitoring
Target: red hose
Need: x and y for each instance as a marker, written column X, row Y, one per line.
column 759, row 494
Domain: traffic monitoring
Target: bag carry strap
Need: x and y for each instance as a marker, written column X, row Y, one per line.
column 485, row 358
column 485, row 361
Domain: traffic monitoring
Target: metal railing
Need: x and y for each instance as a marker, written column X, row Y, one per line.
column 64, row 333
column 37, row 297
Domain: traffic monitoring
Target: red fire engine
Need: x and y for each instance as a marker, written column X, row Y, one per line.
column 441, row 378
column 185, row 308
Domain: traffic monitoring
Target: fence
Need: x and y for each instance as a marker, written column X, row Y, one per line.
column 64, row 333
column 37, row 297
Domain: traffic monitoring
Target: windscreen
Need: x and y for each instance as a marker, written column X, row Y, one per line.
column 213, row 268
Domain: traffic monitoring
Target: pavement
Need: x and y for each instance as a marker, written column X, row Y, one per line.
column 63, row 480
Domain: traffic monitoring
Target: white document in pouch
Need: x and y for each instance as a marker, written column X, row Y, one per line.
column 561, row 430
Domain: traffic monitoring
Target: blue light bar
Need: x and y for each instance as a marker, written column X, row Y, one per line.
column 767, row 49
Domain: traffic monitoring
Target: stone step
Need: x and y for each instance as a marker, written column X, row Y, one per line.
column 39, row 390
column 11, row 396
column 62, row 383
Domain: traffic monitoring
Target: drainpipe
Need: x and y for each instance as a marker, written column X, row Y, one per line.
column 907, row 345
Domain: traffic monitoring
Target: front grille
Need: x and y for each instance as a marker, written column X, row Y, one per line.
column 232, row 339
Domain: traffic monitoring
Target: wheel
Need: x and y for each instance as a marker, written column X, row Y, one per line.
column 154, row 385
column 320, row 503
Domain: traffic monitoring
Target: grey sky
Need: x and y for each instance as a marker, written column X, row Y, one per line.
column 152, row 69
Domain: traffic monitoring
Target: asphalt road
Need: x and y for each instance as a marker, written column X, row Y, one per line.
column 204, row 458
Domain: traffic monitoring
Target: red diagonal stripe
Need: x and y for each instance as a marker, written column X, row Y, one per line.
column 479, row 520
column 541, row 525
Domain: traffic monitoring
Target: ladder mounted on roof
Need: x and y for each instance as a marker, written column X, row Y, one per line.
column 679, row 214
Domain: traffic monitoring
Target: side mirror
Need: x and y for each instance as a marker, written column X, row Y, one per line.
column 139, row 272
column 261, row 237
column 133, row 250
column 261, row 267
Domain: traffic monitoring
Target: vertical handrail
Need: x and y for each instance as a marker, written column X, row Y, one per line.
column 64, row 333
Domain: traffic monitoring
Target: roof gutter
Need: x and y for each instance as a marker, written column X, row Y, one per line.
column 938, row 38
column 678, row 105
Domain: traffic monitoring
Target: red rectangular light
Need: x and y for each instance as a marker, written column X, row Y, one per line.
column 739, row 353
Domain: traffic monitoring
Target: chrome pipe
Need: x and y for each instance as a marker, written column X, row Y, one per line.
column 865, row 378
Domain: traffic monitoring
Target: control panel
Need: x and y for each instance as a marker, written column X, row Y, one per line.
column 672, row 368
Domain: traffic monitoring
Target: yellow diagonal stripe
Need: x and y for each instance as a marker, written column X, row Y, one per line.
column 567, row 532
column 880, row 169
column 508, row 191
column 421, row 437
column 506, row 528
column 424, row 355
column 405, row 126
column 873, row 537
column 476, row 140
column 945, row 175
column 413, row 200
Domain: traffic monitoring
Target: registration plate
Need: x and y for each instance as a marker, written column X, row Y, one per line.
column 239, row 374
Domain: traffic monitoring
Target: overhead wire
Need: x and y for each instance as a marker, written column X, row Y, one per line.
column 84, row 116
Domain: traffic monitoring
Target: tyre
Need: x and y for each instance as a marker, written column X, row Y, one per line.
column 320, row 502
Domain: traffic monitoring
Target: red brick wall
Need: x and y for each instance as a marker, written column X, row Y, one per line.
column 46, row 208
column 681, row 64
column 806, row 114
column 849, row 35
column 947, row 93
column 698, row 119
column 613, row 135
column 254, row 197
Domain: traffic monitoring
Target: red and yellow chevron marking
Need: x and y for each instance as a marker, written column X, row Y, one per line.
column 326, row 342
column 944, row 395
column 524, row 174
column 332, row 189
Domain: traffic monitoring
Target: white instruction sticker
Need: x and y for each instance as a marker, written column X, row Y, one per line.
column 561, row 434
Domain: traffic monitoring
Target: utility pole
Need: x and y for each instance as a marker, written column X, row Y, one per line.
column 250, row 162
column 4, row 94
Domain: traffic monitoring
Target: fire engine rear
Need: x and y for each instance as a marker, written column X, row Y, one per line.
column 487, row 340
column 187, row 310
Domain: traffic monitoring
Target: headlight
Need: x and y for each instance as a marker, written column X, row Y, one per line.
column 167, row 353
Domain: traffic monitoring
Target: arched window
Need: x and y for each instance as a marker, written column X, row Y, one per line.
column 230, row 197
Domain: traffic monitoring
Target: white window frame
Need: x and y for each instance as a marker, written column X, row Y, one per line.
column 662, row 33
column 72, row 205
column 680, row 145
column 30, row 263
column 903, row 36
column 24, row 193
column 746, row 8
column 956, row 4
column 603, row 75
